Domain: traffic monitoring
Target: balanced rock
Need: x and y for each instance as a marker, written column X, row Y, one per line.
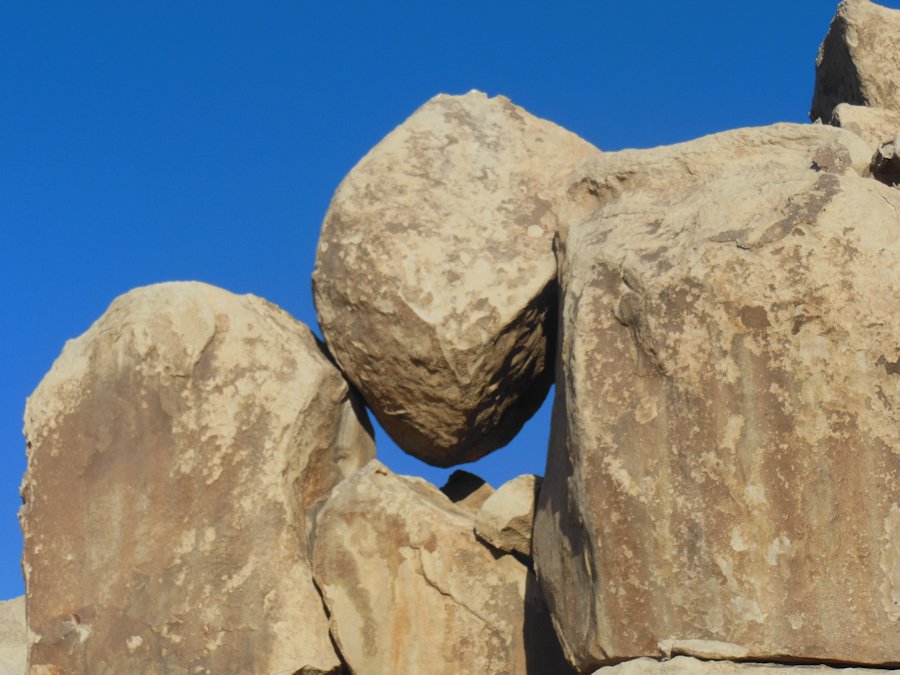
column 723, row 475
column 875, row 126
column 506, row 517
column 13, row 637
column 435, row 279
column 409, row 588
column 685, row 665
column 858, row 61
column 173, row 450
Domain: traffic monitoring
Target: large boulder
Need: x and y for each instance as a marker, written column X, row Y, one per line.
column 435, row 280
column 723, row 472
column 411, row 590
column 173, row 451
column 858, row 61
column 13, row 637
column 685, row 665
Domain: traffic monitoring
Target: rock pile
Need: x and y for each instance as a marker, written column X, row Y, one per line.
column 723, row 478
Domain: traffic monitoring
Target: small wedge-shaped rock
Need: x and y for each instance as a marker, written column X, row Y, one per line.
column 172, row 452
column 411, row 590
column 858, row 61
column 723, row 477
column 506, row 517
column 875, row 126
column 13, row 637
column 684, row 665
column 435, row 280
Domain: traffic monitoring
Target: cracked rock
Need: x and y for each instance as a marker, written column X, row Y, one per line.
column 173, row 450
column 409, row 589
column 435, row 278
column 723, row 464
column 505, row 519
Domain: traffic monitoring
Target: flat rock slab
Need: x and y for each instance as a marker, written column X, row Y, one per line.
column 683, row 665
column 435, row 279
column 858, row 61
column 409, row 588
column 723, row 466
column 173, row 451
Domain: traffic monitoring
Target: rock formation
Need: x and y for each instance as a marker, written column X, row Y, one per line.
column 173, row 451
column 435, row 281
column 875, row 126
column 505, row 519
column 409, row 588
column 13, row 637
column 858, row 61
column 684, row 665
column 723, row 478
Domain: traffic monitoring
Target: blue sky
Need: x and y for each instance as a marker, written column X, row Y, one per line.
column 144, row 142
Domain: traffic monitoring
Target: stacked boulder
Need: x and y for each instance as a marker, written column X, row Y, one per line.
column 723, row 476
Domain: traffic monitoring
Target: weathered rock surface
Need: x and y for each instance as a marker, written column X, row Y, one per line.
column 410, row 589
column 724, row 469
column 435, row 280
column 467, row 490
column 886, row 163
column 684, row 665
column 506, row 517
column 858, row 61
column 172, row 452
column 875, row 126
column 13, row 637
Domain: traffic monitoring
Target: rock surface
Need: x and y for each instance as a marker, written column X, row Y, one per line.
column 172, row 452
column 723, row 473
column 13, row 637
column 506, row 517
column 874, row 125
column 435, row 280
column 467, row 490
column 410, row 590
column 858, row 61
column 684, row 665
column 885, row 165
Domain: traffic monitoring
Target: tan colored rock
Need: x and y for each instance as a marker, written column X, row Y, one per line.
column 874, row 125
column 684, row 665
column 172, row 452
column 506, row 518
column 410, row 590
column 858, row 61
column 435, row 280
column 467, row 490
column 13, row 637
column 723, row 472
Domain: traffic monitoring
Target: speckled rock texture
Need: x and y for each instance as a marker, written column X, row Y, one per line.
column 173, row 450
column 13, row 637
column 875, row 126
column 409, row 588
column 435, row 278
column 506, row 517
column 684, row 665
column 858, row 61
column 723, row 472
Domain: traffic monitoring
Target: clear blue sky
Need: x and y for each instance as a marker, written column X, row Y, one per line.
column 152, row 141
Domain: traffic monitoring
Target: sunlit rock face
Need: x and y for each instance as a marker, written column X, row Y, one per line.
column 858, row 61
column 410, row 589
column 173, row 451
column 724, row 474
column 13, row 637
column 435, row 278
column 685, row 665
